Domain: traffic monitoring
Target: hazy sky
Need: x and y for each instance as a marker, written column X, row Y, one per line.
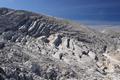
column 84, row 11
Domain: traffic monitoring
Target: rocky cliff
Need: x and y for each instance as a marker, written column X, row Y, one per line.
column 38, row 47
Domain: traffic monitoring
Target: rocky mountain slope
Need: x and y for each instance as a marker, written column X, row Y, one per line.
column 38, row 47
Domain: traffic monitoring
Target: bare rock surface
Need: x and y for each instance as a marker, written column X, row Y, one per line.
column 38, row 47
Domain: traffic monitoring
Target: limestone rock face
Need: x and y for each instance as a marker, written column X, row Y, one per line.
column 38, row 47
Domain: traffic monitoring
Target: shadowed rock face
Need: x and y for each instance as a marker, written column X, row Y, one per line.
column 2, row 45
column 38, row 47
